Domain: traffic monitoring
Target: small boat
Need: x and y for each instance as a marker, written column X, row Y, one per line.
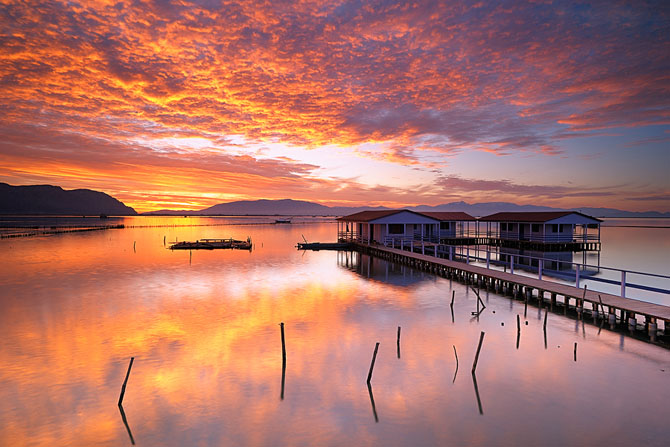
column 211, row 244
column 283, row 221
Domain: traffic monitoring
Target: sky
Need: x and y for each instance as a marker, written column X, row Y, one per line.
column 183, row 104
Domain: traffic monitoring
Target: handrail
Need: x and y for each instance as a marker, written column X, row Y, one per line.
column 578, row 275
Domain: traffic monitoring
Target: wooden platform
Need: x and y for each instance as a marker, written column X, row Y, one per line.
column 628, row 307
column 212, row 244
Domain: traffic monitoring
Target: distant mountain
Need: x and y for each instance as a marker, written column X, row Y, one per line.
column 487, row 208
column 280, row 207
column 301, row 208
column 484, row 209
column 47, row 199
column 283, row 207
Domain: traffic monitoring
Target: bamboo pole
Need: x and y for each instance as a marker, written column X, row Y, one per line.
column 283, row 343
column 123, row 387
column 372, row 365
column 455, row 372
column 479, row 347
column 398, row 341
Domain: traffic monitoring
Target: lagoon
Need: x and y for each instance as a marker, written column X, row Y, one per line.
column 203, row 329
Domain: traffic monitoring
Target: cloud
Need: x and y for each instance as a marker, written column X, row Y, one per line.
column 416, row 79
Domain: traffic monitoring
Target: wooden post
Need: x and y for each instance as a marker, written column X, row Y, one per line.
column 283, row 343
column 455, row 372
column 453, row 292
column 398, row 341
column 575, row 351
column 123, row 387
column 546, row 311
column 518, row 324
column 372, row 365
column 479, row 348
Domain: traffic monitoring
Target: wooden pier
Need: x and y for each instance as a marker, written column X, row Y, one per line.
column 626, row 310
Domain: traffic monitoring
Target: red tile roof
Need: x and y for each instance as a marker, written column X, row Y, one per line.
column 367, row 216
column 537, row 216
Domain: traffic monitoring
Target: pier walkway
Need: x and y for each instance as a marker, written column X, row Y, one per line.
column 625, row 309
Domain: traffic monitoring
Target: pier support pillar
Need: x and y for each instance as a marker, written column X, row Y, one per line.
column 612, row 315
column 553, row 300
column 632, row 321
column 651, row 325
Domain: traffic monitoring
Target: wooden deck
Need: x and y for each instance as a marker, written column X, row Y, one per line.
column 628, row 307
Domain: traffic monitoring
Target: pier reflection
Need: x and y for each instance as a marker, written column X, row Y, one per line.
column 376, row 269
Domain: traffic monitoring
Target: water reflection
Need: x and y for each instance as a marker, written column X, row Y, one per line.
column 76, row 307
column 372, row 402
column 125, row 423
column 479, row 401
column 377, row 269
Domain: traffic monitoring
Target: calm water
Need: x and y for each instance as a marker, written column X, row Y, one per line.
column 203, row 328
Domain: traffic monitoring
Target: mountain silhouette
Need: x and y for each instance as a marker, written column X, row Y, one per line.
column 54, row 200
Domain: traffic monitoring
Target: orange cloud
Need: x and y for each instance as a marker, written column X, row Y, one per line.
column 418, row 79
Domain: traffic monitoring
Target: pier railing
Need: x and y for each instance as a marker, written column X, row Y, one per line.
column 567, row 271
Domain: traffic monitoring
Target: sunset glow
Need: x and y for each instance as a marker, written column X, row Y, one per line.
column 185, row 104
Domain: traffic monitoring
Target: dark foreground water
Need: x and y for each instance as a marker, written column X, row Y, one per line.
column 203, row 328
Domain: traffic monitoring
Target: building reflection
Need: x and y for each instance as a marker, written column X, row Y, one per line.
column 376, row 269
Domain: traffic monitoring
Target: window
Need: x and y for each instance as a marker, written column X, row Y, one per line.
column 396, row 229
column 444, row 225
column 535, row 228
column 554, row 228
column 560, row 228
column 503, row 226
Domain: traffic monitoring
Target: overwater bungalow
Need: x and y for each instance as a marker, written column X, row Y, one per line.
column 571, row 230
column 454, row 225
column 398, row 227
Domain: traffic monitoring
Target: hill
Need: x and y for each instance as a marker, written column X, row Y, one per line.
column 54, row 200
column 299, row 207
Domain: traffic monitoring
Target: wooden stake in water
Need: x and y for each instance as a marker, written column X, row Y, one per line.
column 123, row 387
column 575, row 351
column 518, row 324
column 134, row 243
column 455, row 372
column 398, row 341
column 283, row 344
column 453, row 292
column 163, row 241
column 479, row 348
column 372, row 365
